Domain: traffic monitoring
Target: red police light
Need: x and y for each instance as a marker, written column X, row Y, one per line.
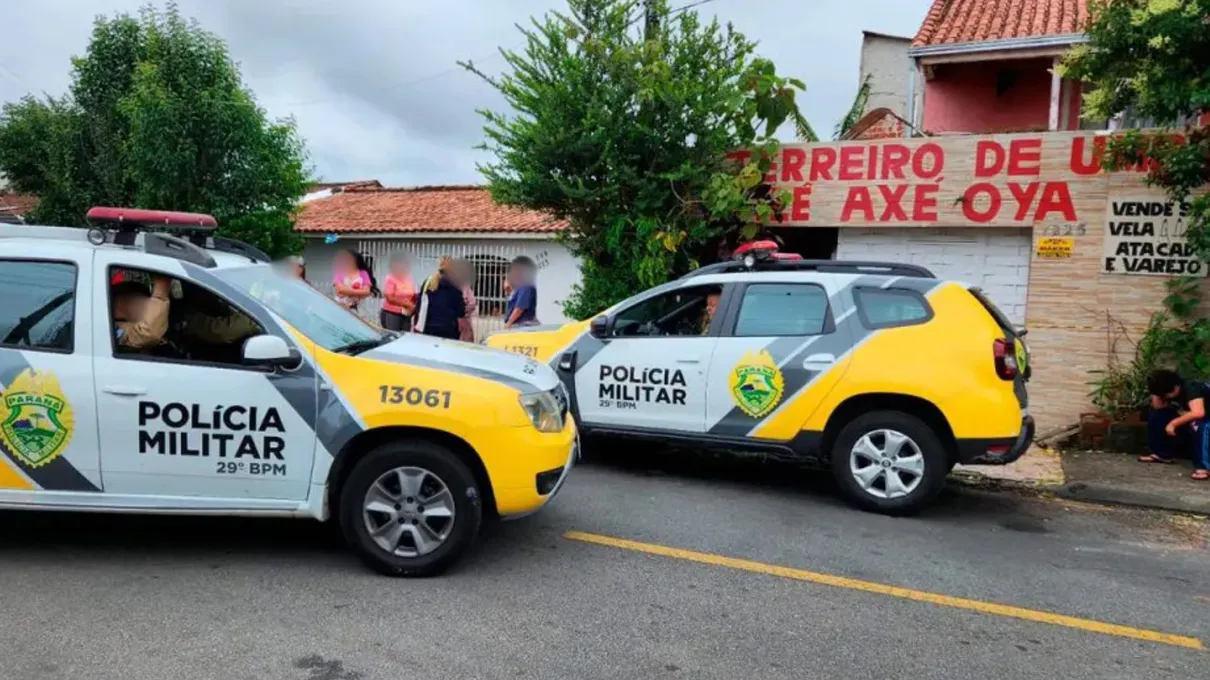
column 140, row 217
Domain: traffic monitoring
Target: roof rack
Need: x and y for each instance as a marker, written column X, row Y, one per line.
column 823, row 266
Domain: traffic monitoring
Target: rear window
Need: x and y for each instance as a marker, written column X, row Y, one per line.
column 891, row 307
column 781, row 309
column 1002, row 321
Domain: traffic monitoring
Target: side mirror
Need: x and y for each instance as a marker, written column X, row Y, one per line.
column 599, row 327
column 270, row 351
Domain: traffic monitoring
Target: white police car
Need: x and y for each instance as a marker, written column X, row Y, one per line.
column 308, row 411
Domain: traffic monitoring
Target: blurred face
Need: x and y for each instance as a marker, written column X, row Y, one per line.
column 343, row 262
column 400, row 268
column 298, row 270
column 128, row 307
column 711, row 304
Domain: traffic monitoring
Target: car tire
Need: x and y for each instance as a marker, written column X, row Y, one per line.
column 443, row 468
column 878, row 492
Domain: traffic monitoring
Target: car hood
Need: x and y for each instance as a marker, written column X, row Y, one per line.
column 425, row 351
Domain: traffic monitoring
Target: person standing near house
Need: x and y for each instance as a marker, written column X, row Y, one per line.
column 522, row 307
column 441, row 303
column 465, row 279
column 352, row 279
column 298, row 266
column 1178, row 410
column 399, row 295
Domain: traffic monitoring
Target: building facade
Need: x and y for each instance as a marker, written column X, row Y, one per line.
column 1076, row 256
column 428, row 223
column 987, row 67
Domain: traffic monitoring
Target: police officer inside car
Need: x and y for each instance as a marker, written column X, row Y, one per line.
column 140, row 320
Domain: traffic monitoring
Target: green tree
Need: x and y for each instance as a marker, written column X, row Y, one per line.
column 157, row 117
column 623, row 130
column 1152, row 57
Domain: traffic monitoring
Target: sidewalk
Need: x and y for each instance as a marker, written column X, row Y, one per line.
column 1093, row 476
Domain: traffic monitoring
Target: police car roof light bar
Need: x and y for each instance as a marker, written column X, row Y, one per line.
column 126, row 222
column 137, row 217
column 195, row 227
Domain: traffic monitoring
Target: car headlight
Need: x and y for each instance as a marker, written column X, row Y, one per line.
column 543, row 411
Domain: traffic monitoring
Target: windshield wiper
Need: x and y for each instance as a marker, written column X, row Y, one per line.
column 359, row 346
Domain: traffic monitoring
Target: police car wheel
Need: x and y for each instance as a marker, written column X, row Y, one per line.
column 889, row 462
column 410, row 509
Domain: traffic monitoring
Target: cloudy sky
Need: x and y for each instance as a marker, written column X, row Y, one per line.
column 373, row 85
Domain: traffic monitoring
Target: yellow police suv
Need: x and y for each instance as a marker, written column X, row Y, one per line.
column 250, row 393
column 880, row 370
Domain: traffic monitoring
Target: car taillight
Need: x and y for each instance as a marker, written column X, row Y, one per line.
column 1005, row 354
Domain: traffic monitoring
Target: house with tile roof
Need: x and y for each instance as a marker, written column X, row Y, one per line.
column 14, row 206
column 430, row 222
column 987, row 66
column 994, row 179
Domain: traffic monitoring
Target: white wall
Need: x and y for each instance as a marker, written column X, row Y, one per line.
column 558, row 269
column 994, row 259
column 885, row 59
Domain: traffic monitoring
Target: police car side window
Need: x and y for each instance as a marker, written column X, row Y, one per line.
column 776, row 309
column 203, row 327
column 891, row 307
column 39, row 305
column 677, row 313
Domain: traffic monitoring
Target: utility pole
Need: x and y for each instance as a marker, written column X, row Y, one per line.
column 652, row 20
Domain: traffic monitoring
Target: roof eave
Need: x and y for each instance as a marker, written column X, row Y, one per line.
column 1031, row 43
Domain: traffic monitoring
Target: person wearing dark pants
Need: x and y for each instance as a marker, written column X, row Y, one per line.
column 442, row 304
column 1178, row 411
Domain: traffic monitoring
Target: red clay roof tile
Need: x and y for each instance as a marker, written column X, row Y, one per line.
column 16, row 204
column 972, row 21
column 419, row 209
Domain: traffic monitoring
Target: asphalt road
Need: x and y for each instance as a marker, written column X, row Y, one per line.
column 99, row 597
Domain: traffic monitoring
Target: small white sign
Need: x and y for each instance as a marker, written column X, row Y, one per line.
column 1145, row 236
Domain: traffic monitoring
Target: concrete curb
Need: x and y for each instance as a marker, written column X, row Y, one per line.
column 1104, row 494
column 1198, row 504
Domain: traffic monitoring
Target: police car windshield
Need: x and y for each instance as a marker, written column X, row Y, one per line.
column 306, row 309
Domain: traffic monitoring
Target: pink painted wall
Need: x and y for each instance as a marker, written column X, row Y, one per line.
column 962, row 97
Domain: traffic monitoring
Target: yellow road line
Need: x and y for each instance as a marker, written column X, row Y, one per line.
column 892, row 591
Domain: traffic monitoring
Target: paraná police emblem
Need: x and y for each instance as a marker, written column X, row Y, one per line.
column 35, row 419
column 757, row 383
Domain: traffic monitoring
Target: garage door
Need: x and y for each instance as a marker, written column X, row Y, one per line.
column 996, row 260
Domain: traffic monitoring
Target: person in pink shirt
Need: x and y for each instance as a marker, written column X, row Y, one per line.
column 464, row 278
column 399, row 295
column 352, row 279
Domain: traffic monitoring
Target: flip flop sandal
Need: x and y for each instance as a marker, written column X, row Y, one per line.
column 1200, row 475
column 1156, row 459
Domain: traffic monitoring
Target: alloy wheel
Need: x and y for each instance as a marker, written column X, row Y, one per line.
column 409, row 511
column 887, row 464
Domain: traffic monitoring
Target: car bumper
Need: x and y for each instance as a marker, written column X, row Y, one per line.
column 997, row 451
column 531, row 469
column 548, row 484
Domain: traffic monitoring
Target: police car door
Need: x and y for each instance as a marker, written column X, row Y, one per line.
column 781, row 334
column 48, row 416
column 193, row 433
column 650, row 372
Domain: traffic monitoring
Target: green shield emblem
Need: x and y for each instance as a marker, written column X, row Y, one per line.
column 36, row 420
